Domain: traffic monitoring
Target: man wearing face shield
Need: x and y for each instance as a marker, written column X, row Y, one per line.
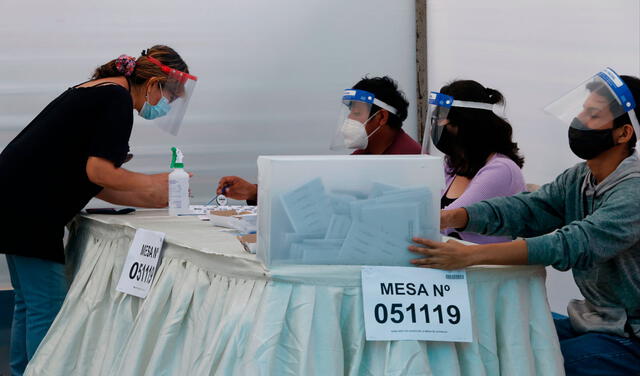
column 71, row 152
column 370, row 123
column 587, row 220
column 371, row 120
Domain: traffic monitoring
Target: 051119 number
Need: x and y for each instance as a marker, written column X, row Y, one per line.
column 397, row 314
column 142, row 272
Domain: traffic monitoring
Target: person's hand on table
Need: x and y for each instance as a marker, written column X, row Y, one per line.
column 451, row 255
column 455, row 255
column 237, row 188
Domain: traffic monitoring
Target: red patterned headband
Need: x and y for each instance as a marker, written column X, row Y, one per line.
column 126, row 64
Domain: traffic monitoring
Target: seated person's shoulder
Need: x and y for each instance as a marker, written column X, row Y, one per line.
column 406, row 144
column 502, row 161
column 503, row 165
column 502, row 170
column 624, row 196
column 628, row 187
column 412, row 145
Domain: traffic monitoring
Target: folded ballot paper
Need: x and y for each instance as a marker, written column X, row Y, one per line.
column 358, row 210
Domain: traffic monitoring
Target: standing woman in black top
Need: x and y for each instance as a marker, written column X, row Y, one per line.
column 71, row 152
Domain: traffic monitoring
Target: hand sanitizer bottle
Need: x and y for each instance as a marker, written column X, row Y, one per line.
column 178, row 185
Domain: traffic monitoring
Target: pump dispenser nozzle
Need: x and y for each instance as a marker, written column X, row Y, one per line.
column 176, row 158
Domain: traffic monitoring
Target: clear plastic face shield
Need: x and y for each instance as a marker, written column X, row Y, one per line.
column 176, row 92
column 354, row 116
column 437, row 117
column 595, row 103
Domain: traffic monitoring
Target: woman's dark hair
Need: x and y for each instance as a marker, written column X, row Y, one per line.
column 386, row 90
column 145, row 69
column 603, row 90
column 480, row 132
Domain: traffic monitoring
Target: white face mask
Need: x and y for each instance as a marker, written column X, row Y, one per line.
column 355, row 136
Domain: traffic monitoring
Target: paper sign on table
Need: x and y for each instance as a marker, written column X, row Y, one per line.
column 141, row 263
column 415, row 304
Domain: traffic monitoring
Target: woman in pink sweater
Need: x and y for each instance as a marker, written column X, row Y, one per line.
column 481, row 160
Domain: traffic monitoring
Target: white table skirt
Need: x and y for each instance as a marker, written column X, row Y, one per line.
column 215, row 310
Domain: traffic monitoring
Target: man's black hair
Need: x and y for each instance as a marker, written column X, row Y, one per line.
column 386, row 90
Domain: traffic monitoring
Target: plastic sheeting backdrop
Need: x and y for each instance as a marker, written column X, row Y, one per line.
column 265, row 86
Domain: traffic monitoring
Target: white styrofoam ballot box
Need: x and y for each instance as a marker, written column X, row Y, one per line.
column 346, row 210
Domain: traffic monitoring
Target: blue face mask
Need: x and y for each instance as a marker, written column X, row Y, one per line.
column 160, row 109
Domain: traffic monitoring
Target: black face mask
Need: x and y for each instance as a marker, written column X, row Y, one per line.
column 445, row 142
column 589, row 143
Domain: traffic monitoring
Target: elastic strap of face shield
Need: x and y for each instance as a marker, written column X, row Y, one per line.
column 385, row 106
column 635, row 123
column 476, row 105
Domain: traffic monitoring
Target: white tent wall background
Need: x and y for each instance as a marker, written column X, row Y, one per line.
column 271, row 73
